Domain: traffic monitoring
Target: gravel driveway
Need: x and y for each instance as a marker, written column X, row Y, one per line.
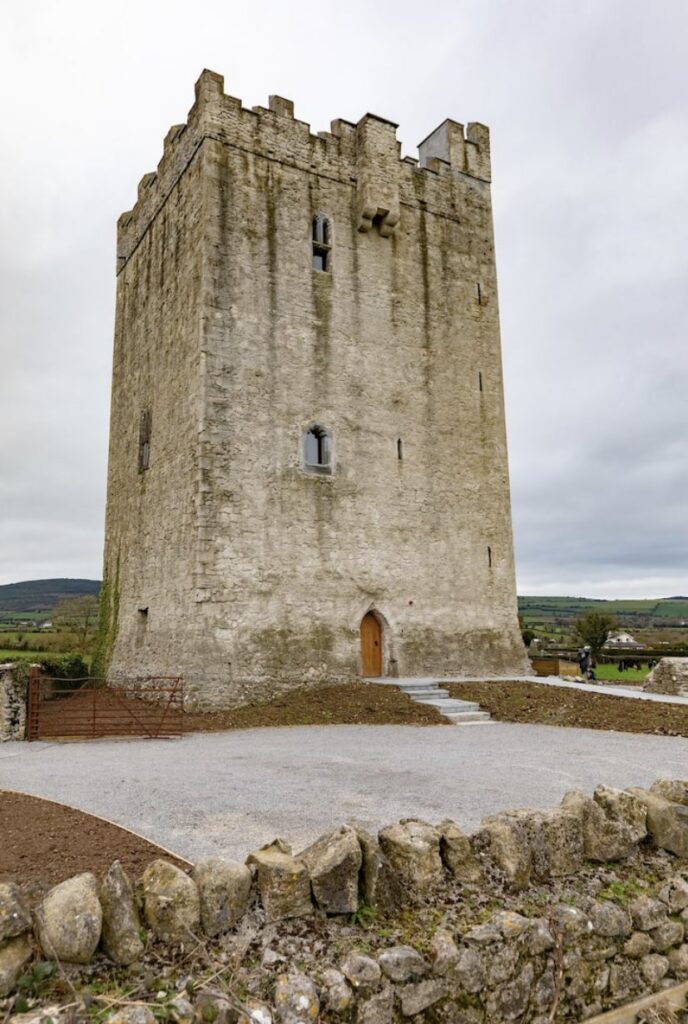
column 227, row 793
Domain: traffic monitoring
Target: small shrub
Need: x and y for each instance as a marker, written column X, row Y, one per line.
column 69, row 666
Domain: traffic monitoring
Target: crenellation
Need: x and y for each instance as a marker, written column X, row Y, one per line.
column 274, row 133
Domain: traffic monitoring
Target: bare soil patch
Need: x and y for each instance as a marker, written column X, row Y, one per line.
column 346, row 704
column 549, row 705
column 42, row 843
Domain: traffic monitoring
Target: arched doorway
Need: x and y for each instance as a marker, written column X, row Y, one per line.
column 371, row 645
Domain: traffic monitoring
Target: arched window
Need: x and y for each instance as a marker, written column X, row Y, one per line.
column 317, row 449
column 322, row 243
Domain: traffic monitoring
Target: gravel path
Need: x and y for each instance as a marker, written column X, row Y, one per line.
column 227, row 793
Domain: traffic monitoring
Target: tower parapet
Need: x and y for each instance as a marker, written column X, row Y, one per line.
column 367, row 155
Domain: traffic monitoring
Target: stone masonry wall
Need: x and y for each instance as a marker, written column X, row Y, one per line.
column 670, row 675
column 256, row 574
column 540, row 916
column 12, row 706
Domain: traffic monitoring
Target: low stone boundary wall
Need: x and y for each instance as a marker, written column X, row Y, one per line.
column 540, row 916
column 12, row 705
column 669, row 676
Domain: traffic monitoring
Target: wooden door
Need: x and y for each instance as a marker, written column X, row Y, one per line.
column 371, row 646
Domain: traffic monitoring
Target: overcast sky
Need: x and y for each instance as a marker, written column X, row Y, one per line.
column 587, row 101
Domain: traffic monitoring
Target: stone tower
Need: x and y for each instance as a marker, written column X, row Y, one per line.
column 308, row 469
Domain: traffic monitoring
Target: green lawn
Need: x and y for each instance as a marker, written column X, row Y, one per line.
column 631, row 675
column 25, row 655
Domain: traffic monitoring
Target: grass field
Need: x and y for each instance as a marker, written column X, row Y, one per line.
column 25, row 655
column 631, row 675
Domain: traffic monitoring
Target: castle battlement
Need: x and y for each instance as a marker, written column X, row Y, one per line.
column 366, row 156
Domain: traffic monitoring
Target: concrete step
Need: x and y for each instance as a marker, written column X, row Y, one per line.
column 451, row 705
column 474, row 718
column 423, row 694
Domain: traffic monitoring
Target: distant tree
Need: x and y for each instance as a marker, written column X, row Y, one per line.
column 528, row 635
column 593, row 629
column 76, row 620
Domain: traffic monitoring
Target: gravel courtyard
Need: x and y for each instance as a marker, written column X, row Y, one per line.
column 227, row 793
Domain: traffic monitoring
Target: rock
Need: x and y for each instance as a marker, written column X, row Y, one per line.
column 413, row 849
column 670, row 675
column 70, row 920
column 171, row 903
column 457, row 855
column 509, row 848
column 544, row 989
column 603, row 838
column 675, row 894
column 513, row 998
column 257, row 1012
column 647, row 913
column 469, row 971
column 15, row 917
column 623, row 979
column 121, row 925
column 377, row 1009
column 484, row 934
column 131, row 1015
column 510, row 924
column 403, row 963
column 500, row 964
column 338, row 994
column 444, row 952
column 224, row 887
column 653, row 968
column 666, row 935
column 285, row 889
column 639, row 944
column 296, row 999
column 14, row 953
column 362, row 971
column 211, row 1004
column 379, row 886
column 601, row 982
column 181, row 1010
column 678, row 961
column 418, row 997
column 538, row 938
column 675, row 790
column 624, row 808
column 53, row 1014
column 610, row 920
column 334, row 862
column 556, row 841
column 667, row 823
column 570, row 920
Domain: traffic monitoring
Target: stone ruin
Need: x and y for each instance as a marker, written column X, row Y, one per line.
column 670, row 675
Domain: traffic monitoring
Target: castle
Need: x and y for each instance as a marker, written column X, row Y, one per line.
column 308, row 473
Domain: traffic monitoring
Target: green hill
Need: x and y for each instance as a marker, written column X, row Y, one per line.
column 42, row 595
column 663, row 611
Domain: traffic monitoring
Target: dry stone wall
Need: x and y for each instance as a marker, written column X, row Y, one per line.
column 540, row 916
column 670, row 675
column 12, row 705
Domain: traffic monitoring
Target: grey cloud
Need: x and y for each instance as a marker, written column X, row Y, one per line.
column 588, row 108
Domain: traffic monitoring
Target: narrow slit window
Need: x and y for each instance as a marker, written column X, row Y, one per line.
column 480, row 379
column 317, row 449
column 144, row 440
column 322, row 244
column 400, row 449
column 489, row 557
column 480, row 294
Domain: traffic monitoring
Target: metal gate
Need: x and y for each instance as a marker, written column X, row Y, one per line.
column 89, row 709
